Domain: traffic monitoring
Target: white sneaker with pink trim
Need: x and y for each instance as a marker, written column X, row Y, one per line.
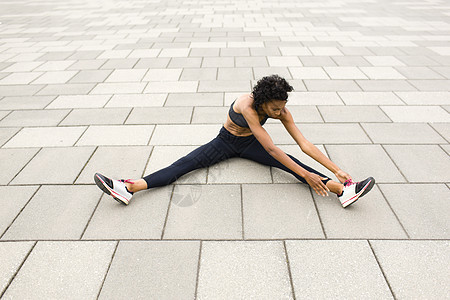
column 116, row 188
column 355, row 190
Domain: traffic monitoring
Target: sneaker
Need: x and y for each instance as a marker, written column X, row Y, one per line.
column 355, row 190
column 116, row 188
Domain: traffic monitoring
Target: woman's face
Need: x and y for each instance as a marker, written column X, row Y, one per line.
column 273, row 108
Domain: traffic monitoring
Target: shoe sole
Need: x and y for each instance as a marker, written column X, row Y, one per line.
column 367, row 188
column 102, row 185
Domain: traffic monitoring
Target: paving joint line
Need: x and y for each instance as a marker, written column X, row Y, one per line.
column 167, row 213
column 107, row 270
column 198, row 269
column 92, row 215
column 289, row 269
column 25, row 165
column 318, row 213
column 18, row 270
column 381, row 269
column 85, row 164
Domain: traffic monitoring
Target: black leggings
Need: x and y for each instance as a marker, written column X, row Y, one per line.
column 222, row 147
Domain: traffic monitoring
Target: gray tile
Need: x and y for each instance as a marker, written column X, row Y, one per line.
column 99, row 116
column 353, row 114
column 12, row 255
column 421, row 262
column 421, row 163
column 402, row 133
column 427, row 218
column 50, row 214
column 86, row 76
column 6, row 134
column 314, row 98
column 169, row 269
column 243, row 270
column 45, row 137
column 425, row 98
column 279, row 211
column 26, row 118
column 197, row 99
column 431, row 85
column 12, row 161
column 122, row 168
column 199, row 74
column 67, row 89
column 30, row 102
column 13, row 199
column 238, row 170
column 235, row 74
column 223, row 85
column 160, row 115
column 54, row 166
column 205, row 212
column 331, row 85
column 370, row 98
column 184, row 135
column 369, row 218
column 362, row 161
column 385, row 85
column 62, row 270
column 19, row 90
column 418, row 73
column 320, row 269
column 429, row 114
column 133, row 135
column 210, row 115
column 443, row 129
column 143, row 218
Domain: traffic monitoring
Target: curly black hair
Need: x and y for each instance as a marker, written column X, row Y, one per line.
column 270, row 88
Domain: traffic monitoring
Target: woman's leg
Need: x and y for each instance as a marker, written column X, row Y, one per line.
column 211, row 153
column 256, row 152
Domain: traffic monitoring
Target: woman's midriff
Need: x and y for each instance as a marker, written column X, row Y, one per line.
column 235, row 129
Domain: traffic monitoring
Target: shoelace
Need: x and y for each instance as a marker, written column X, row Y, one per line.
column 127, row 181
column 349, row 182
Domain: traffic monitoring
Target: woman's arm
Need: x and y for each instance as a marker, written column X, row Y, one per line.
column 309, row 148
column 263, row 137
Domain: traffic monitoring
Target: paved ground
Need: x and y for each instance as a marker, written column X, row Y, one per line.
column 126, row 87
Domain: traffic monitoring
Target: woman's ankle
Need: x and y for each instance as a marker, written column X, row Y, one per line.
column 137, row 185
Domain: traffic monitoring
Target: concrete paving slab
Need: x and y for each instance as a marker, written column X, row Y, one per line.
column 369, row 98
column 50, row 213
column 6, row 134
column 425, row 98
column 239, row 170
column 414, row 269
column 184, row 135
column 319, row 269
column 429, row 114
column 402, row 133
column 30, row 102
column 352, row 114
column 431, row 164
column 209, row 115
column 160, row 270
column 385, row 85
column 79, row 101
column 132, row 135
column 333, row 133
column 279, row 211
column 160, row 115
column 66, row 89
column 45, row 137
column 54, row 166
column 334, row 85
column 12, row 254
column 143, row 218
column 314, row 98
column 195, row 99
column 12, row 161
column 13, row 200
column 425, row 219
column 69, row 270
column 29, row 118
column 204, row 212
column 243, row 270
column 96, row 116
column 443, row 129
column 369, row 218
column 116, row 162
column 362, row 161
column 19, row 90
column 137, row 100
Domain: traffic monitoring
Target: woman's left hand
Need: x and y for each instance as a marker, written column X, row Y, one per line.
column 342, row 176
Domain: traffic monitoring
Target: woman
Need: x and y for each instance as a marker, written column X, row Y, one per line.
column 242, row 135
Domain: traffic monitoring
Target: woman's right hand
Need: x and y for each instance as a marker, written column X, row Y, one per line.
column 315, row 181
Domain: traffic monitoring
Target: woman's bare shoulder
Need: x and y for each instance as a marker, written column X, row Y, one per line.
column 243, row 102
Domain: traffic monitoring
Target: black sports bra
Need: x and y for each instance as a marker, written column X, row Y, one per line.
column 239, row 119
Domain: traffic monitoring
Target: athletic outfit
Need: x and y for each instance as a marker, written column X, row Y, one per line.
column 224, row 146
